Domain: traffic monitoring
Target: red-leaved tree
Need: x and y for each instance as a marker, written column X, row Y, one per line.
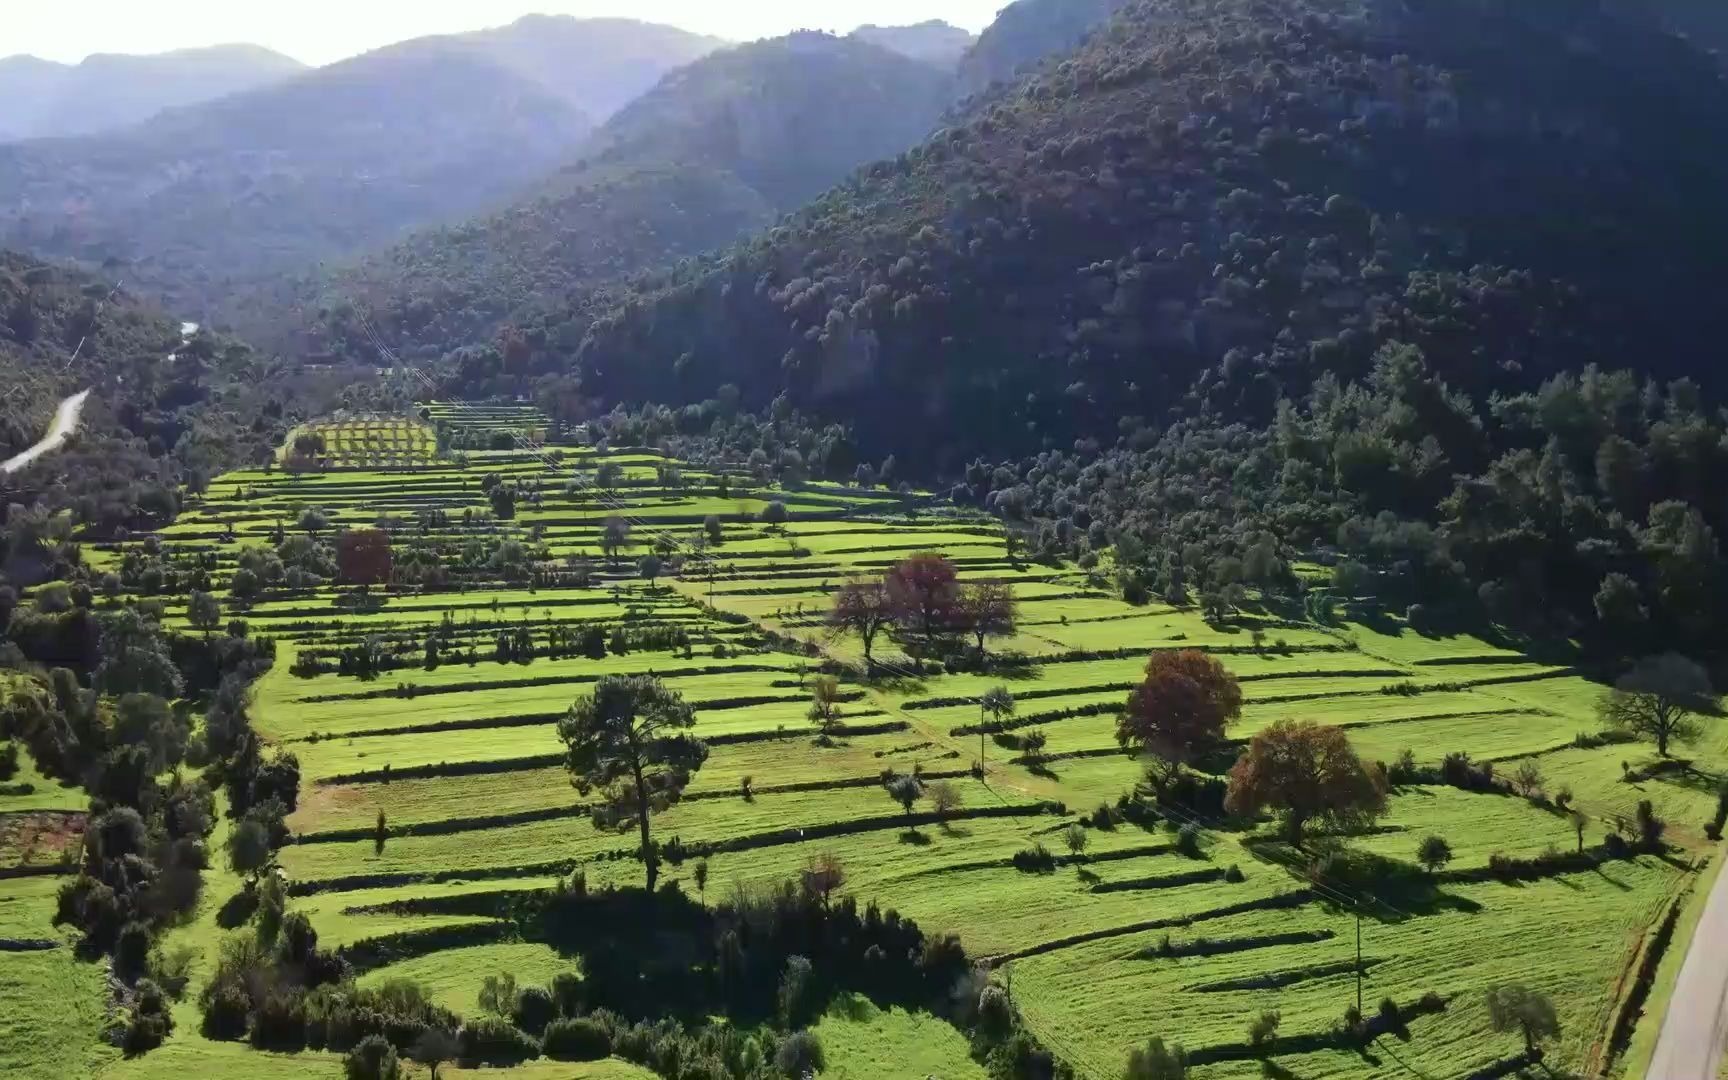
column 1178, row 712
column 924, row 591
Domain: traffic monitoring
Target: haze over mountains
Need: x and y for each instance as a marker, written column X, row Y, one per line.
column 197, row 200
column 717, row 149
column 932, row 41
column 40, row 98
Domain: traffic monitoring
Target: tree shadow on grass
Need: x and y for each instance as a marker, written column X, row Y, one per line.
column 1618, row 884
column 914, row 837
column 237, row 909
column 1397, row 890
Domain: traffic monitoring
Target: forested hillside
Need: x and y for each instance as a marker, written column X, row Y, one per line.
column 39, row 98
column 1218, row 201
column 195, row 204
column 1024, row 33
column 713, row 152
column 163, row 411
column 1213, row 209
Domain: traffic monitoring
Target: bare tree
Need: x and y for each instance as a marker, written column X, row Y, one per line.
column 1660, row 699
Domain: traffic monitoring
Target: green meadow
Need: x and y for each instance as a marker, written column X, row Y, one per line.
column 463, row 762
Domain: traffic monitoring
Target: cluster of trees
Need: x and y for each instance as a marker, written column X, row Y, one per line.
column 104, row 696
column 922, row 599
column 1306, row 772
column 1309, row 774
column 1581, row 508
column 774, row 957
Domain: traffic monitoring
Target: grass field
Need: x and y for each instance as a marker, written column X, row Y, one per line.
column 464, row 762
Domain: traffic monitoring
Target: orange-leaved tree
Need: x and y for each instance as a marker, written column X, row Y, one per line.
column 1307, row 772
column 1178, row 712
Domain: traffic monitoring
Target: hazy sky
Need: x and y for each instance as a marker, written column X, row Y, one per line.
column 319, row 31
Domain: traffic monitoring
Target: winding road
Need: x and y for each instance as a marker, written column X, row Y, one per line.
column 66, row 416
column 1689, row 1046
column 65, row 423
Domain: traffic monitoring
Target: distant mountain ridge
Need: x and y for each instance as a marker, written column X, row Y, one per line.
column 595, row 65
column 41, row 98
column 200, row 201
column 932, row 41
column 716, row 150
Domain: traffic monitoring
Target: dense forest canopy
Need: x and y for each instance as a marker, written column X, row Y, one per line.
column 1214, row 202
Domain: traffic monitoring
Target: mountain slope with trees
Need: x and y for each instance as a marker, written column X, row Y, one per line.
column 40, row 98
column 1212, row 203
column 163, row 410
column 1337, row 279
column 1024, row 34
column 712, row 153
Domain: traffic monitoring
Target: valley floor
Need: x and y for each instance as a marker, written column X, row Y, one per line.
column 464, row 763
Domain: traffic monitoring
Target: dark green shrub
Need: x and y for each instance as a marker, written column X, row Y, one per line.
column 1188, row 840
column 132, row 951
column 1234, row 874
column 534, row 1010
column 799, row 1055
column 1036, row 859
column 995, row 1014
column 373, row 1058
column 225, row 1015
column 493, row 1041
column 1263, row 1033
column 151, row 1021
column 280, row 1022
column 577, row 1040
column 567, row 994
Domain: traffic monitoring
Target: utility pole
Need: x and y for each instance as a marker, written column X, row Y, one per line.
column 1358, row 961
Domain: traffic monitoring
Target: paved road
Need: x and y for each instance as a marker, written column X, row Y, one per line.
column 65, row 423
column 1690, row 1044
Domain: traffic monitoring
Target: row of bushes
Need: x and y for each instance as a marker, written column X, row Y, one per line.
column 541, row 761
column 410, row 690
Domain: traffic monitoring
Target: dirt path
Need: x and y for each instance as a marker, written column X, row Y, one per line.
column 1689, row 1046
column 65, row 423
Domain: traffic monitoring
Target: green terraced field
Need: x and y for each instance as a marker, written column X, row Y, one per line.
column 464, row 762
